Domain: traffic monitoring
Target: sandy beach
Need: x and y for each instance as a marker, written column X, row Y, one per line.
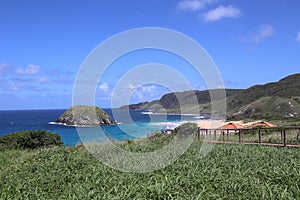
column 210, row 124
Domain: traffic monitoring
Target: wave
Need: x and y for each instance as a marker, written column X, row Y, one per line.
column 175, row 114
column 73, row 125
column 147, row 113
column 172, row 124
column 81, row 126
column 199, row 117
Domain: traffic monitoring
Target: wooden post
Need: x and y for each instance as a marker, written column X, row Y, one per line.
column 234, row 134
column 223, row 132
column 210, row 135
column 284, row 138
column 227, row 135
column 198, row 135
column 259, row 136
column 240, row 136
column 215, row 134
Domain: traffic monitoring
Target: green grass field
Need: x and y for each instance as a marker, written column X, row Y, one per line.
column 227, row 172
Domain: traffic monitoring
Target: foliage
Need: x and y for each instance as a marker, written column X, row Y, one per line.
column 227, row 172
column 278, row 100
column 187, row 129
column 30, row 139
column 150, row 144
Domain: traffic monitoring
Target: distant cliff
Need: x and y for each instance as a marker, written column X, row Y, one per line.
column 85, row 116
column 173, row 102
column 277, row 100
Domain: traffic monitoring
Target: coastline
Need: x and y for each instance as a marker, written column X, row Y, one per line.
column 15, row 121
column 81, row 126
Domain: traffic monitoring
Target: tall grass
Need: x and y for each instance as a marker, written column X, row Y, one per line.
column 227, row 172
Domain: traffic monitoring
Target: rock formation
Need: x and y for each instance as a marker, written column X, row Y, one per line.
column 85, row 116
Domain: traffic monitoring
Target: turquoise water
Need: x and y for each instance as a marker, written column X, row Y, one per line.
column 132, row 125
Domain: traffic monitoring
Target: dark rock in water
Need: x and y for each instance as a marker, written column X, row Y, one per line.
column 85, row 116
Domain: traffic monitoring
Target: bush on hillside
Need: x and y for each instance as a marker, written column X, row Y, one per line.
column 187, row 129
column 30, row 139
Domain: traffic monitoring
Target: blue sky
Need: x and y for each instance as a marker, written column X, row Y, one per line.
column 43, row 43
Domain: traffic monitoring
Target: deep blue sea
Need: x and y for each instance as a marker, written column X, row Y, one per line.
column 132, row 124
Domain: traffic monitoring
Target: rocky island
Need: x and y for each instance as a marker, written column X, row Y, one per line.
column 85, row 116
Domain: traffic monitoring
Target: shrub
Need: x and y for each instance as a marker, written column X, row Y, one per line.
column 186, row 129
column 30, row 139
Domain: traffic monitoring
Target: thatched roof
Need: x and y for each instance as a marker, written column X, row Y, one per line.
column 261, row 124
column 232, row 125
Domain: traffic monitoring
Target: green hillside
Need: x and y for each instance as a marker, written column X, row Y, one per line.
column 176, row 102
column 278, row 100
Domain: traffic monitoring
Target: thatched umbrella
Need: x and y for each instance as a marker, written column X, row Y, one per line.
column 232, row 126
column 261, row 124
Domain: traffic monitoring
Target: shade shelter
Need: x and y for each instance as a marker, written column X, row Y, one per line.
column 232, row 126
column 261, row 124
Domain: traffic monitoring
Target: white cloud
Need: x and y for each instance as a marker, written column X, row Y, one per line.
column 15, row 88
column 103, row 87
column 298, row 36
column 3, row 69
column 263, row 32
column 140, row 91
column 148, row 89
column 145, row 91
column 193, row 5
column 43, row 79
column 30, row 70
column 221, row 12
column 132, row 87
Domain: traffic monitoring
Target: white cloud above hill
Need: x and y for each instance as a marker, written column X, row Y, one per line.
column 193, row 5
column 3, row 69
column 298, row 36
column 264, row 31
column 221, row 12
column 103, row 87
column 29, row 70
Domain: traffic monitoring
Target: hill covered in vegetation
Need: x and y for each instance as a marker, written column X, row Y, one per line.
column 173, row 102
column 276, row 100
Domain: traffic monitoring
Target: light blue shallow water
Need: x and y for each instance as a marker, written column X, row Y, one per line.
column 134, row 124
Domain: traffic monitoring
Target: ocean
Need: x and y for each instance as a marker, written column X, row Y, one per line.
column 131, row 124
